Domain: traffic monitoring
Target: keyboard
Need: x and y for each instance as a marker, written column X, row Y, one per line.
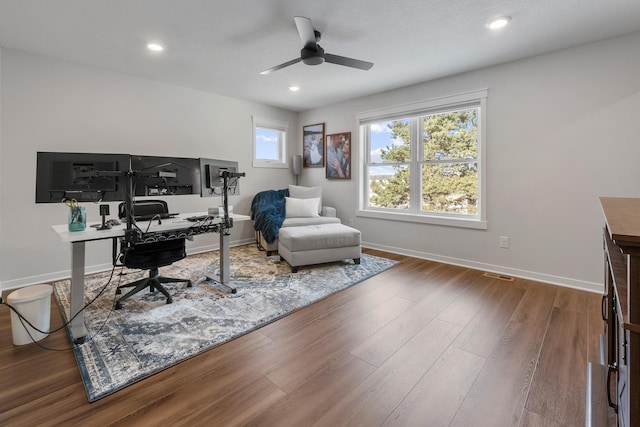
column 156, row 216
column 199, row 218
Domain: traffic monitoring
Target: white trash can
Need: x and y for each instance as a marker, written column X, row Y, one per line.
column 34, row 304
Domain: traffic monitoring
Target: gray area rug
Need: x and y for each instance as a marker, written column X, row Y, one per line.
column 147, row 335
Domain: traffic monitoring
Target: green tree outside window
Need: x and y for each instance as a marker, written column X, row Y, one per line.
column 448, row 163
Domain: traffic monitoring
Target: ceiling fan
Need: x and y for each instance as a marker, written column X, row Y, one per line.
column 313, row 54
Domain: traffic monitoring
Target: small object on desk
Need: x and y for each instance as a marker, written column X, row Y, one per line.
column 77, row 216
column 221, row 211
column 104, row 211
column 199, row 218
column 151, row 217
column 107, row 225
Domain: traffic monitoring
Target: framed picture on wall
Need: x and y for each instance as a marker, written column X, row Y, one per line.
column 313, row 146
column 338, row 154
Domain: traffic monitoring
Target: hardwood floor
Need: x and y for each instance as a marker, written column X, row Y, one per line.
column 422, row 344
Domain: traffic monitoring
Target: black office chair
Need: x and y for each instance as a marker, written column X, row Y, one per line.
column 145, row 209
column 151, row 256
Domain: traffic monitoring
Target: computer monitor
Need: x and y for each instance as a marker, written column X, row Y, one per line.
column 81, row 176
column 211, row 177
column 165, row 176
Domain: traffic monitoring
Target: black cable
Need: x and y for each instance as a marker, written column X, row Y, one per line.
column 86, row 340
column 233, row 185
column 204, row 225
column 64, row 325
column 156, row 216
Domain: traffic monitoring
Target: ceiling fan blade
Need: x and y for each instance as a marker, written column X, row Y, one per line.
column 307, row 34
column 281, row 66
column 348, row 62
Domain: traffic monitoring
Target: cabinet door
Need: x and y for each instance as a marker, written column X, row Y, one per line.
column 609, row 314
column 623, row 377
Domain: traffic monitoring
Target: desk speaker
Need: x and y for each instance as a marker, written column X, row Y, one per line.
column 297, row 164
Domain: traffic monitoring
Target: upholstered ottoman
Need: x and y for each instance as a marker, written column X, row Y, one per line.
column 316, row 244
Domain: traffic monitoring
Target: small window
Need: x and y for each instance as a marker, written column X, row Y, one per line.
column 269, row 143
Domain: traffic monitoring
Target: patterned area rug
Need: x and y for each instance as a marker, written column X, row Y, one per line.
column 147, row 335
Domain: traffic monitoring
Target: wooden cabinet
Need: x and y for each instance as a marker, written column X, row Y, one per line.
column 621, row 306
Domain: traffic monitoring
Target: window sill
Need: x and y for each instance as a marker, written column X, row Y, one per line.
column 474, row 223
column 273, row 165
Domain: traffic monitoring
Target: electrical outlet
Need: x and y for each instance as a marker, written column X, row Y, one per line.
column 504, row 242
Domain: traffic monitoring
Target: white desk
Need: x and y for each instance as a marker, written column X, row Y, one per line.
column 79, row 238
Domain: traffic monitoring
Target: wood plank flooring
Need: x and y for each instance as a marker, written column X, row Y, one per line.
column 422, row 344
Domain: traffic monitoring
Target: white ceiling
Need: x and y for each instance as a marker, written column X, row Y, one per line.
column 220, row 46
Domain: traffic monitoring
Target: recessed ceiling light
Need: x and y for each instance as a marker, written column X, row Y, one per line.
column 155, row 47
column 499, row 22
column 294, row 88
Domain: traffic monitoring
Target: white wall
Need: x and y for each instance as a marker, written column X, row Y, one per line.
column 51, row 105
column 563, row 129
column 1, row 179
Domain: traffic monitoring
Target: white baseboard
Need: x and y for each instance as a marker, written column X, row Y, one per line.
column 90, row 269
column 524, row 274
column 514, row 272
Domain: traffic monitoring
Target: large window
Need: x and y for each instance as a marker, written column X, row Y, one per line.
column 423, row 162
column 269, row 143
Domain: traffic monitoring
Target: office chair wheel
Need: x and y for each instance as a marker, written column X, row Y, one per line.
column 117, row 305
column 118, row 291
column 169, row 300
column 189, row 284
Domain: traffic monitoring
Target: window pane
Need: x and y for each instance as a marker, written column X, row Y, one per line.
column 390, row 141
column 451, row 136
column 267, row 144
column 389, row 187
column 450, row 188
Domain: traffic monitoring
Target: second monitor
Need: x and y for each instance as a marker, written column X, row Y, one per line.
column 165, row 176
column 211, row 177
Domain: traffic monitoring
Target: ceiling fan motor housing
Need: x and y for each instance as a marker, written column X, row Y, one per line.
column 312, row 56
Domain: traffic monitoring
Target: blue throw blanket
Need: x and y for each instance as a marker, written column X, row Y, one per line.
column 267, row 213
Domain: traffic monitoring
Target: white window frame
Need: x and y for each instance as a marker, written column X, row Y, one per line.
column 282, row 128
column 476, row 98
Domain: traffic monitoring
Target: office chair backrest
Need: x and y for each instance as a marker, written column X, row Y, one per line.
column 145, row 208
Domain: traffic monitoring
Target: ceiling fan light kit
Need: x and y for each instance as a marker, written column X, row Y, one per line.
column 313, row 54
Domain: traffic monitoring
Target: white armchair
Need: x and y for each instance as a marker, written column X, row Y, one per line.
column 327, row 215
